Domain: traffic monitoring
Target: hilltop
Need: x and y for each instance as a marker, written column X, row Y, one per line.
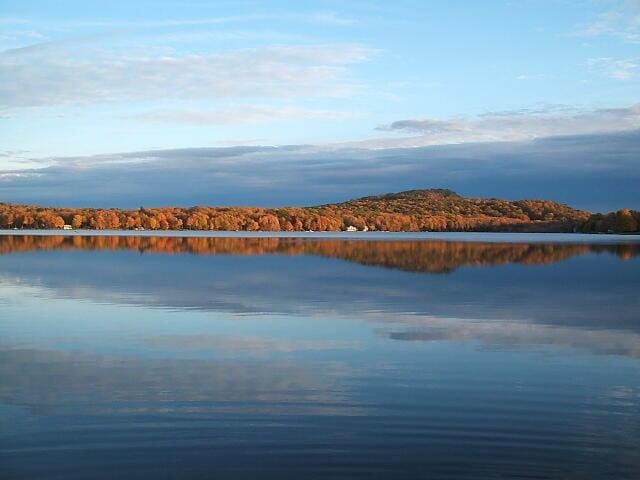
column 442, row 209
column 413, row 210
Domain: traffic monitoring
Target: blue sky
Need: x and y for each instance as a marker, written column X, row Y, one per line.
column 98, row 88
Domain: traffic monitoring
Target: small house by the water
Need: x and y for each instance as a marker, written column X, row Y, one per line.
column 351, row 228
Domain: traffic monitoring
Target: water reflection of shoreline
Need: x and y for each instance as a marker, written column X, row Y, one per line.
column 589, row 303
column 430, row 256
column 293, row 276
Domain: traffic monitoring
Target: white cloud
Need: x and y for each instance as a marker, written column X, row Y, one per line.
column 531, row 76
column 57, row 74
column 622, row 22
column 16, row 35
column 514, row 125
column 619, row 69
column 327, row 18
column 13, row 21
column 238, row 114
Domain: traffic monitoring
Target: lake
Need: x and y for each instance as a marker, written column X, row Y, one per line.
column 328, row 356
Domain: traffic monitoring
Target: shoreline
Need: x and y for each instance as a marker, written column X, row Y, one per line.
column 491, row 237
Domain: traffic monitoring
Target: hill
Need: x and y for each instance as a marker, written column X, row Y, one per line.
column 414, row 210
column 440, row 209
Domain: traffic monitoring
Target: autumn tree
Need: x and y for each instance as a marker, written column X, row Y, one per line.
column 77, row 221
column 625, row 221
column 269, row 223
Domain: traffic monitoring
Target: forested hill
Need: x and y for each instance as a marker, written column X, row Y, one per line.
column 414, row 210
column 440, row 209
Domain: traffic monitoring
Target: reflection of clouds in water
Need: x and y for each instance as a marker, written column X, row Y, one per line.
column 492, row 334
column 46, row 378
column 244, row 344
column 588, row 303
column 625, row 395
column 515, row 334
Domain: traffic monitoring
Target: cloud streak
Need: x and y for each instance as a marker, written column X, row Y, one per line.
column 618, row 69
column 325, row 18
column 622, row 22
column 60, row 74
column 238, row 114
column 515, row 125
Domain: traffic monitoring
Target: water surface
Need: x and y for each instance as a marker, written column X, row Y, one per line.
column 417, row 356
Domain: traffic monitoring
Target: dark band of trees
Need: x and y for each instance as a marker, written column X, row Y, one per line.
column 413, row 211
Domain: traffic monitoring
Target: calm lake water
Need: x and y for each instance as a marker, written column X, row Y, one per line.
column 417, row 356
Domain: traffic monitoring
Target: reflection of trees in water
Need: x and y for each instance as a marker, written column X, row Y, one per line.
column 419, row 256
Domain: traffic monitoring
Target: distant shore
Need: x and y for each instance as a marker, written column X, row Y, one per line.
column 431, row 210
column 491, row 237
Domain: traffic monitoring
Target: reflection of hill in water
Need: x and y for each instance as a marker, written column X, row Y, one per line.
column 431, row 256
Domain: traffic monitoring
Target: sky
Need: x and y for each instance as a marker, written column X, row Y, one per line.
column 128, row 103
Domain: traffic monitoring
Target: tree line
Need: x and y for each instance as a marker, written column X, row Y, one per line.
column 413, row 211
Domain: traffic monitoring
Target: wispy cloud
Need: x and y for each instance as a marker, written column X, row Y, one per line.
column 13, row 21
column 619, row 69
column 22, row 34
column 237, row 114
column 18, row 159
column 55, row 74
column 515, row 125
column 622, row 22
column 531, row 76
column 326, row 18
